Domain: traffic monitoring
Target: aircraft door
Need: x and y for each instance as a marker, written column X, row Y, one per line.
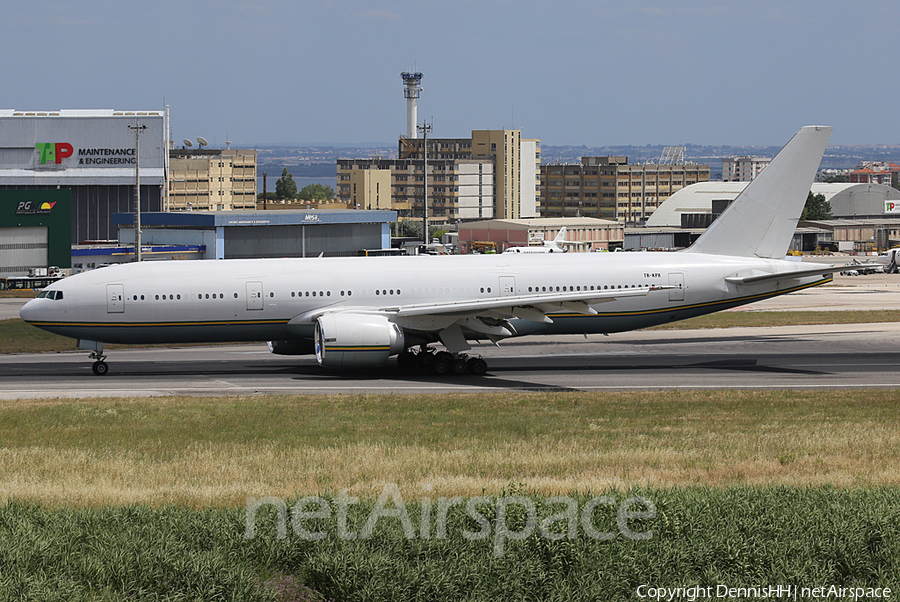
column 676, row 279
column 507, row 286
column 254, row 295
column 115, row 298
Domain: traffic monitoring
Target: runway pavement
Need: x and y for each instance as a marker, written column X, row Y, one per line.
column 794, row 357
column 805, row 357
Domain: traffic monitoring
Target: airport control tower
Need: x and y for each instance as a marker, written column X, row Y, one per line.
column 411, row 93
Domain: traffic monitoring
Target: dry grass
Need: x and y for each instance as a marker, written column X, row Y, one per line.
column 753, row 319
column 19, row 294
column 201, row 452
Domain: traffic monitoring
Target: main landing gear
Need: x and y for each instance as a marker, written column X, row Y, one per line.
column 441, row 362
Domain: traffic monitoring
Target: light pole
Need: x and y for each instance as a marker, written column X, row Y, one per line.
column 425, row 128
column 138, row 128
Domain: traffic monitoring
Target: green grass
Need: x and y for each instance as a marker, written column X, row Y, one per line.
column 738, row 537
column 16, row 336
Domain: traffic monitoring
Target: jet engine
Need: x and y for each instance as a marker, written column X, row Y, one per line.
column 356, row 340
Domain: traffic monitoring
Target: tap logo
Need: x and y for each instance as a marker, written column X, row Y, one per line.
column 54, row 152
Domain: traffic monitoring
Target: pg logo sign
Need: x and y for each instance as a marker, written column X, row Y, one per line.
column 54, row 152
column 34, row 208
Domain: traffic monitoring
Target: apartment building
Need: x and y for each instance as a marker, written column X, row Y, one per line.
column 742, row 169
column 211, row 179
column 609, row 188
column 875, row 172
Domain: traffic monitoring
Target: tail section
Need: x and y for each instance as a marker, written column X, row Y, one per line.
column 762, row 219
column 561, row 236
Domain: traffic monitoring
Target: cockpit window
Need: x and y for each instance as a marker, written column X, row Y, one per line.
column 59, row 295
column 42, row 294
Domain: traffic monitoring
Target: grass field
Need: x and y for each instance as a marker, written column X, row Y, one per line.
column 144, row 499
column 199, row 452
column 704, row 536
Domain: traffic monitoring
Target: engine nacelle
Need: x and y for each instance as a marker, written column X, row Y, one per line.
column 356, row 340
column 292, row 347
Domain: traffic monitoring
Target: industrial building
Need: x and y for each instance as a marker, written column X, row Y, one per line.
column 868, row 214
column 609, row 188
column 35, row 230
column 848, row 201
column 500, row 234
column 90, row 153
column 251, row 234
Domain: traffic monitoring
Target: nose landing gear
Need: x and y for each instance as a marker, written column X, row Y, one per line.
column 100, row 366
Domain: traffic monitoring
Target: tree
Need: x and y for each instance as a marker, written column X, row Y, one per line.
column 285, row 186
column 410, row 228
column 816, row 208
column 316, row 192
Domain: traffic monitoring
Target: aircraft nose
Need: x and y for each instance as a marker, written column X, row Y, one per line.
column 30, row 311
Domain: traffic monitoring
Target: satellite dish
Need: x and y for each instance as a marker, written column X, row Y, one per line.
column 201, row 141
column 188, row 143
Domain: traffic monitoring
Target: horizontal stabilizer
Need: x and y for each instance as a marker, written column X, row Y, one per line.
column 824, row 271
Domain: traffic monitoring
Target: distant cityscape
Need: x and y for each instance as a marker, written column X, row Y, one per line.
column 320, row 162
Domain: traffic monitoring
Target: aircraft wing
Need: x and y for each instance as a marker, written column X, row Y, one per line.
column 453, row 320
column 571, row 301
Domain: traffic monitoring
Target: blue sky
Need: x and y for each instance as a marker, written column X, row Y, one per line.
column 601, row 72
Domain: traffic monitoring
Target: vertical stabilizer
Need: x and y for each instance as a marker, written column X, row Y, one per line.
column 762, row 219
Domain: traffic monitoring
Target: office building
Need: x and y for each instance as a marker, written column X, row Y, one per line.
column 609, row 188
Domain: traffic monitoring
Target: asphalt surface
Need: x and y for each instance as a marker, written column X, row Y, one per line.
column 797, row 357
column 790, row 357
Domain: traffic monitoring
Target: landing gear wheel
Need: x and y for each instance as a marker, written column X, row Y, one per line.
column 459, row 366
column 477, row 366
column 100, row 368
column 440, row 365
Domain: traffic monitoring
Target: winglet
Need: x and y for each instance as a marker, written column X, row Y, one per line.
column 762, row 219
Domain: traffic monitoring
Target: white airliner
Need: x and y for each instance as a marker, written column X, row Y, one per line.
column 549, row 246
column 358, row 312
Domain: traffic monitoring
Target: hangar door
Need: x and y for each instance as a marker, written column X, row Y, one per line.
column 21, row 249
column 307, row 240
